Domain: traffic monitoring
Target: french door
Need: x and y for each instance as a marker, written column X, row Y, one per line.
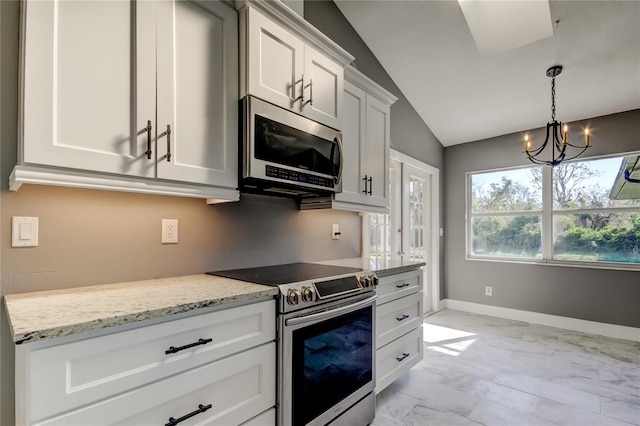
column 410, row 231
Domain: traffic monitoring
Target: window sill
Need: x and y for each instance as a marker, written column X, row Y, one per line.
column 562, row 263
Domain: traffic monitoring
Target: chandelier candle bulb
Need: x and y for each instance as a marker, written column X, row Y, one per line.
column 586, row 137
column 565, row 129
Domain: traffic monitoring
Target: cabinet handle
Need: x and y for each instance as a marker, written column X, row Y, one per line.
column 201, row 409
column 370, row 184
column 173, row 349
column 301, row 97
column 403, row 357
column 311, row 92
column 403, row 317
column 168, row 132
column 148, row 129
column 403, row 285
column 365, row 184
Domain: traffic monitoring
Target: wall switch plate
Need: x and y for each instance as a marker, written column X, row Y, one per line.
column 335, row 231
column 24, row 231
column 169, row 231
column 488, row 291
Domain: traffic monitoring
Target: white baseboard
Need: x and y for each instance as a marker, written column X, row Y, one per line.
column 593, row 327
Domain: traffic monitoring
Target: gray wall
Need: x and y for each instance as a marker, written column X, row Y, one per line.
column 608, row 296
column 96, row 237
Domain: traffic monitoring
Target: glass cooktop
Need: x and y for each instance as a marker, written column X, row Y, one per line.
column 285, row 274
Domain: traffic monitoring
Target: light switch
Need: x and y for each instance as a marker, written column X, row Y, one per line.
column 24, row 231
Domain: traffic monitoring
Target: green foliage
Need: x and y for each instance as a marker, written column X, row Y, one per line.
column 599, row 234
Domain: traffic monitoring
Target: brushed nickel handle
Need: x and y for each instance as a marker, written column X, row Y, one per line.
column 301, row 97
column 148, row 152
column 311, row 92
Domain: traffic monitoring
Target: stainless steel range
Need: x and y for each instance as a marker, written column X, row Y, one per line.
column 326, row 330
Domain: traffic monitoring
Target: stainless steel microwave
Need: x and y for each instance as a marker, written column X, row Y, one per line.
column 286, row 154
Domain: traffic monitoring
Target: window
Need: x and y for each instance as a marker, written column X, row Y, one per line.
column 581, row 211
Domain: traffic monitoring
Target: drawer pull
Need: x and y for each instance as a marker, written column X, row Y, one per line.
column 403, row 357
column 403, row 317
column 403, row 285
column 173, row 349
column 201, row 409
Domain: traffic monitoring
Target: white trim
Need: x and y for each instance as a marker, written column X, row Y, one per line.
column 76, row 179
column 584, row 326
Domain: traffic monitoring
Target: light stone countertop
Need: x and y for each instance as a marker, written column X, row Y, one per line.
column 382, row 267
column 48, row 314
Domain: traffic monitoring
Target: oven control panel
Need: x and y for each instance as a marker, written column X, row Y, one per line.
column 308, row 293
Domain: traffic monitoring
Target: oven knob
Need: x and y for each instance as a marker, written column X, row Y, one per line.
column 293, row 296
column 374, row 280
column 365, row 281
column 307, row 294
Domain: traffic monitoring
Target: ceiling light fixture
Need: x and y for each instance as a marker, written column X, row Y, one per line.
column 557, row 131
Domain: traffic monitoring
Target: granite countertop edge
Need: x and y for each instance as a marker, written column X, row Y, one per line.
column 21, row 308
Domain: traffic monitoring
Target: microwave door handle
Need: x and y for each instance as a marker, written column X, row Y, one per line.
column 339, row 178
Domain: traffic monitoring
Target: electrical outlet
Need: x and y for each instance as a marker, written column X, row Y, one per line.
column 488, row 291
column 169, row 231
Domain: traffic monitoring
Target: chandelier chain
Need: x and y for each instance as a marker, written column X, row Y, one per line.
column 553, row 99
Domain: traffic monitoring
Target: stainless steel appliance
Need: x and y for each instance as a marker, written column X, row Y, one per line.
column 286, row 154
column 326, row 330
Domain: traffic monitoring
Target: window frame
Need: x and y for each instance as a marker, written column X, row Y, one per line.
column 548, row 211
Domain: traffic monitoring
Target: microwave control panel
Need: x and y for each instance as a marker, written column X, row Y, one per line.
column 295, row 176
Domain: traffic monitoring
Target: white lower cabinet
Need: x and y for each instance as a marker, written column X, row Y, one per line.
column 399, row 311
column 217, row 368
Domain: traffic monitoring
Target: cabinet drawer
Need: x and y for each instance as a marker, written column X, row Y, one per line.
column 397, row 358
column 398, row 285
column 397, row 318
column 75, row 374
column 268, row 418
column 237, row 388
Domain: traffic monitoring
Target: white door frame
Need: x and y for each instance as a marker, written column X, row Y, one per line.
column 432, row 271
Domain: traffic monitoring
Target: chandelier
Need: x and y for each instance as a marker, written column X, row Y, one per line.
column 557, row 131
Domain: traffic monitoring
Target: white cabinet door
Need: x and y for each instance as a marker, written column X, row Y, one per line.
column 323, row 80
column 282, row 69
column 353, row 140
column 377, row 152
column 82, row 63
column 275, row 62
column 197, row 81
column 366, row 141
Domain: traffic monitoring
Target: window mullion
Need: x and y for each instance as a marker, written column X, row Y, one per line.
column 547, row 212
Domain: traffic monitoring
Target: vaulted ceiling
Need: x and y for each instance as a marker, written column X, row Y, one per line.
column 463, row 96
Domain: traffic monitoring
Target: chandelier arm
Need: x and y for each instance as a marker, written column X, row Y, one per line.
column 584, row 148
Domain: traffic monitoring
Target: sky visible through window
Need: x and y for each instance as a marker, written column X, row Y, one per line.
column 608, row 169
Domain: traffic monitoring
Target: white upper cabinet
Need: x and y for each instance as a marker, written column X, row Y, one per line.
column 130, row 90
column 366, row 142
column 286, row 61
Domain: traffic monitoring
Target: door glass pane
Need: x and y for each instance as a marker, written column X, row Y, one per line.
column 417, row 196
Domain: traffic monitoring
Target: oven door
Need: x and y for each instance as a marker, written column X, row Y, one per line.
column 327, row 361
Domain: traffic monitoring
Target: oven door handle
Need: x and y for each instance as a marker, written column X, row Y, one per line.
column 329, row 314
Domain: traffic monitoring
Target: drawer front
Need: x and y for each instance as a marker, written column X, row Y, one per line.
column 399, row 285
column 397, row 358
column 75, row 374
column 268, row 418
column 238, row 388
column 397, row 318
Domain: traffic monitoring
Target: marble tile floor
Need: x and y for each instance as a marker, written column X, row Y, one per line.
column 481, row 370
